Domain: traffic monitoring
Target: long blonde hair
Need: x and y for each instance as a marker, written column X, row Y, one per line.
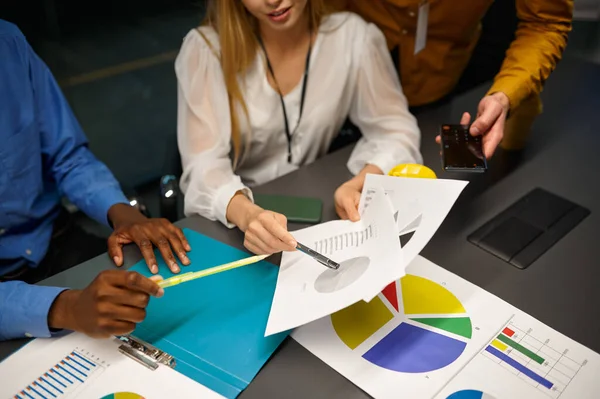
column 237, row 30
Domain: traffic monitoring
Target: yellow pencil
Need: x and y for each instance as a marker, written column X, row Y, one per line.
column 183, row 278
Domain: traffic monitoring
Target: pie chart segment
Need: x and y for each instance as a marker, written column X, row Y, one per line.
column 423, row 296
column 123, row 395
column 470, row 394
column 391, row 294
column 373, row 315
column 411, row 349
column 455, row 325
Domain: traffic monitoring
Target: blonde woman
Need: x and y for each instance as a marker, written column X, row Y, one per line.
column 264, row 87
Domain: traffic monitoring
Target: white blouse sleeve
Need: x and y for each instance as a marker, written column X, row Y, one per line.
column 204, row 130
column 379, row 109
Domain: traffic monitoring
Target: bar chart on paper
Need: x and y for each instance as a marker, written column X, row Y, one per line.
column 533, row 359
column 64, row 379
column 413, row 326
column 340, row 242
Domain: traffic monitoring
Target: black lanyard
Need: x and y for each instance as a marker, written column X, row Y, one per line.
column 303, row 95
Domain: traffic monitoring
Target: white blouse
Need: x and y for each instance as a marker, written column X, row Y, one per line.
column 350, row 74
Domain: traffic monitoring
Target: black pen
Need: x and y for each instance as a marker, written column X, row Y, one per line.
column 325, row 261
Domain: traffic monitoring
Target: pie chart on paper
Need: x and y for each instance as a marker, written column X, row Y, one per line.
column 470, row 394
column 123, row 395
column 413, row 326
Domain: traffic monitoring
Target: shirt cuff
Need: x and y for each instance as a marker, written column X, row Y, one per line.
column 384, row 161
column 514, row 88
column 103, row 203
column 224, row 196
column 30, row 311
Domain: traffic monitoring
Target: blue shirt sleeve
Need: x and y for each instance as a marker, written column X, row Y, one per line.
column 24, row 309
column 81, row 177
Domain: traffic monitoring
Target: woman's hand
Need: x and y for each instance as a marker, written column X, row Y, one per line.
column 347, row 196
column 265, row 231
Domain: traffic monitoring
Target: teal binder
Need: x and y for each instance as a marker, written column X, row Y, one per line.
column 214, row 327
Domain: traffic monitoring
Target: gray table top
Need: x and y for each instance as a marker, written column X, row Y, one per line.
column 560, row 288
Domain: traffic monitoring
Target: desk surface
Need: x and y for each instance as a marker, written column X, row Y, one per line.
column 560, row 288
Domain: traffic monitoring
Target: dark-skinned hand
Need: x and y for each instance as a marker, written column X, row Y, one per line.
column 130, row 226
column 111, row 305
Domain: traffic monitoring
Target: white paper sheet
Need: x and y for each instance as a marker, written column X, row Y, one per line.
column 370, row 257
column 409, row 341
column 76, row 366
column 558, row 367
column 460, row 342
column 421, row 205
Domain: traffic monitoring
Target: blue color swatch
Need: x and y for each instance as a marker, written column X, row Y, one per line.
column 411, row 349
column 523, row 369
column 214, row 326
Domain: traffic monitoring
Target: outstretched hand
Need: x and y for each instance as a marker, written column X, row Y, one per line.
column 130, row 226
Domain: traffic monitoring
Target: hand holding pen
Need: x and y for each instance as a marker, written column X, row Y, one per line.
column 266, row 233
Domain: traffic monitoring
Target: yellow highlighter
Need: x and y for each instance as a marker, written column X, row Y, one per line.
column 183, row 278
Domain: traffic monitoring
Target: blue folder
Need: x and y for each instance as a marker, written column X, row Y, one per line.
column 214, row 326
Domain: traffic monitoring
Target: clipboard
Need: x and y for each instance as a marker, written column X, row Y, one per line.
column 212, row 329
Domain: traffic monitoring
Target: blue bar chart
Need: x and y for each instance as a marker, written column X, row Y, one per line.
column 62, row 379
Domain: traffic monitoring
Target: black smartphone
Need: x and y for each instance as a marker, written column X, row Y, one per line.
column 461, row 152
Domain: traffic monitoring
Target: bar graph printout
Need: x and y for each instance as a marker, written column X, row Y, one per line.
column 76, row 366
column 527, row 359
column 66, row 376
column 539, row 365
column 350, row 239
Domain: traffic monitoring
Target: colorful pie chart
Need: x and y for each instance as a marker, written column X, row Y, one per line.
column 413, row 326
column 470, row 394
column 123, row 395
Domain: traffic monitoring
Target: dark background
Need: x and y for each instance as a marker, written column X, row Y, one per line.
column 114, row 62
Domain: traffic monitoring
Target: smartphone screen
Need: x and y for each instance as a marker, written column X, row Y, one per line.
column 461, row 151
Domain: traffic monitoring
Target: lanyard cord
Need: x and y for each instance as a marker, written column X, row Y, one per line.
column 288, row 134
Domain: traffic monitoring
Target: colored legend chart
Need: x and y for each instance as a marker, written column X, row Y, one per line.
column 532, row 359
column 123, row 395
column 413, row 326
column 470, row 394
column 64, row 378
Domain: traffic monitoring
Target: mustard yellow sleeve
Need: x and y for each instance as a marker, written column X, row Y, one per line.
column 540, row 39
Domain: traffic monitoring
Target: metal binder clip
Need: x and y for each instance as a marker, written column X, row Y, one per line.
column 144, row 353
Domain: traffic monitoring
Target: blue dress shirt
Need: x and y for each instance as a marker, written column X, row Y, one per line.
column 44, row 155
